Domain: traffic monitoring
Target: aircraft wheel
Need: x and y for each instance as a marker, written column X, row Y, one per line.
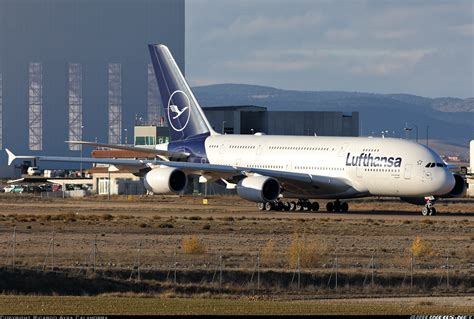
column 330, row 206
column 432, row 211
column 344, row 207
column 268, row 206
column 286, row 206
column 306, row 206
column 292, row 206
column 314, row 206
column 299, row 206
column 261, row 206
column 279, row 206
column 425, row 211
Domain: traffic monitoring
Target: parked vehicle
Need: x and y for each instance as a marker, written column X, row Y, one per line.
column 17, row 189
column 8, row 189
column 33, row 171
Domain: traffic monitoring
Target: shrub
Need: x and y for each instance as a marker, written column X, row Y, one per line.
column 421, row 247
column 165, row 225
column 308, row 253
column 195, row 218
column 268, row 252
column 192, row 245
column 106, row 217
column 206, row 226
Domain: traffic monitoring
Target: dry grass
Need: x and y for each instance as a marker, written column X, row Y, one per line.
column 192, row 245
column 421, row 248
column 304, row 253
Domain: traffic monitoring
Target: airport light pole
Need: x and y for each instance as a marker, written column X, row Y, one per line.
column 223, row 130
column 126, row 136
column 407, row 129
column 82, row 134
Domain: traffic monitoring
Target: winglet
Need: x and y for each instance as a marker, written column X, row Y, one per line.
column 11, row 156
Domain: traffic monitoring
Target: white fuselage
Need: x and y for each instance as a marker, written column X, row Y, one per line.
column 373, row 166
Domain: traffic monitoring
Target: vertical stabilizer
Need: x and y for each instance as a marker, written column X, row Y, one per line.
column 182, row 111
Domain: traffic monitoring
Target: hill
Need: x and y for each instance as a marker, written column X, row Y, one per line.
column 446, row 118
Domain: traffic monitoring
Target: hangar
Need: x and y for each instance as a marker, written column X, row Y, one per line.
column 80, row 70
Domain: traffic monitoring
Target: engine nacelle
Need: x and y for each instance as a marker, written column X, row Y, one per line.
column 165, row 180
column 459, row 189
column 258, row 189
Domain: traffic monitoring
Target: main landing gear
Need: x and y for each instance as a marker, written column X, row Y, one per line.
column 429, row 210
column 337, row 206
column 302, row 205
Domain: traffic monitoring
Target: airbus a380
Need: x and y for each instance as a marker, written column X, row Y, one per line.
column 267, row 169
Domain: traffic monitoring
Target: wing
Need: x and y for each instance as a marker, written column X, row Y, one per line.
column 292, row 182
column 160, row 153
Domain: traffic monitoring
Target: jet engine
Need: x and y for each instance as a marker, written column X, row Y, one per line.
column 258, row 189
column 459, row 189
column 164, row 180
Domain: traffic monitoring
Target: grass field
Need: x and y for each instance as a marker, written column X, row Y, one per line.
column 108, row 305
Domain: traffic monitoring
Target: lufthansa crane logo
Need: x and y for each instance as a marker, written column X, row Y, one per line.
column 179, row 110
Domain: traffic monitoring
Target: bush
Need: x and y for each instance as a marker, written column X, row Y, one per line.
column 421, row 247
column 192, row 245
column 268, row 252
column 206, row 226
column 195, row 218
column 308, row 253
column 106, row 217
column 165, row 225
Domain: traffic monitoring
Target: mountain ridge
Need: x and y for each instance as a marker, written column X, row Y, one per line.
column 442, row 118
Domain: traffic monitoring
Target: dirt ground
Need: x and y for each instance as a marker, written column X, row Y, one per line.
column 125, row 305
column 373, row 240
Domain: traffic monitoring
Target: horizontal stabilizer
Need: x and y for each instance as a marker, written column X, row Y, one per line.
column 12, row 157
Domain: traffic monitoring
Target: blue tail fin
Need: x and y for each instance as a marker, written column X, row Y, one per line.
column 182, row 111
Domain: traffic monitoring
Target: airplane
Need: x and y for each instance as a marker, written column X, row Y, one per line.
column 269, row 169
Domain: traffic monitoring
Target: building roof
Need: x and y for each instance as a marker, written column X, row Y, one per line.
column 235, row 108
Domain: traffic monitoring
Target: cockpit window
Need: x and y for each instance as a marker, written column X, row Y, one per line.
column 428, row 165
column 439, row 165
column 432, row 165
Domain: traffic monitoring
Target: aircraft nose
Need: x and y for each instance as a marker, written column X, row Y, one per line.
column 448, row 182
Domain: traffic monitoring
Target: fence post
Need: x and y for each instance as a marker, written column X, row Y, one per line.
column 258, row 269
column 220, row 271
column 447, row 271
column 336, row 269
column 14, row 247
column 411, row 271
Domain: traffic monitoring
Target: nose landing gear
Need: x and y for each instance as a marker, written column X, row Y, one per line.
column 429, row 210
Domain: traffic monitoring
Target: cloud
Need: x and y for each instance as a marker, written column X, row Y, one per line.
column 356, row 61
column 419, row 46
column 464, row 29
column 245, row 27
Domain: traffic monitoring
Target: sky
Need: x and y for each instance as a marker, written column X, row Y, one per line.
column 417, row 47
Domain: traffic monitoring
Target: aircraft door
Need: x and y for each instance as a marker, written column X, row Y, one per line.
column 408, row 168
column 359, row 171
column 343, row 149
